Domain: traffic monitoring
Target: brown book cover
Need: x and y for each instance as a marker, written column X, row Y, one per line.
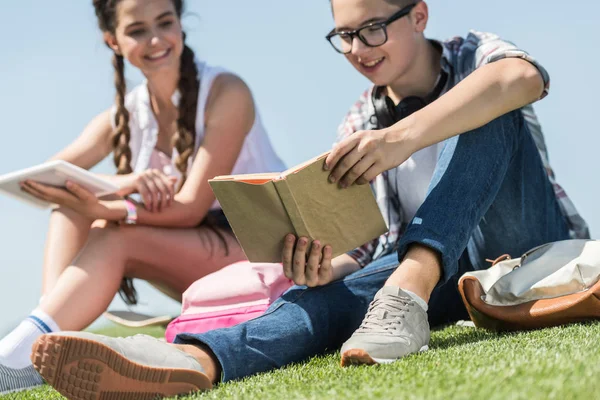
column 263, row 208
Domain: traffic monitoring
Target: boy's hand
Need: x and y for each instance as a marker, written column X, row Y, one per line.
column 310, row 267
column 365, row 154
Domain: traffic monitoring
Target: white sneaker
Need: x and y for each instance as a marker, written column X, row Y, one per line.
column 16, row 380
column 394, row 327
column 83, row 366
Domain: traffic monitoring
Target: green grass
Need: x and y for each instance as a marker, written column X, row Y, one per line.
column 463, row 363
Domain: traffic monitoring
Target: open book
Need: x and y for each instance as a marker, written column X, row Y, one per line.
column 263, row 208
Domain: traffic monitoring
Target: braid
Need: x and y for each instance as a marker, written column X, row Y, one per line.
column 184, row 139
column 121, row 135
column 122, row 154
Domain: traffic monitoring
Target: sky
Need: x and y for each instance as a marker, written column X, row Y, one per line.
column 55, row 75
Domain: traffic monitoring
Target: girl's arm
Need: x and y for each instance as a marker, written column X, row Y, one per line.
column 228, row 119
column 95, row 143
column 92, row 146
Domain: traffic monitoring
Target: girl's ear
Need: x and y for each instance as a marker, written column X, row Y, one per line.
column 111, row 41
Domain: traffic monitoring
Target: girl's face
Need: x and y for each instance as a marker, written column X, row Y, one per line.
column 388, row 63
column 148, row 34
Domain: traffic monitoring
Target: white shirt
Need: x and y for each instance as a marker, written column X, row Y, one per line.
column 413, row 178
column 257, row 153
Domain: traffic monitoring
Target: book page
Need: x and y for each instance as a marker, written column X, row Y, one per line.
column 255, row 179
column 318, row 159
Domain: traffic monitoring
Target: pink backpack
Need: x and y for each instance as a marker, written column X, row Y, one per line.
column 232, row 295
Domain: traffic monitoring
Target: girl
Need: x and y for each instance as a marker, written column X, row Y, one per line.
column 186, row 124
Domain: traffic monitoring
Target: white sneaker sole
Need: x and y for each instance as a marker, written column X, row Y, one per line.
column 361, row 357
column 82, row 369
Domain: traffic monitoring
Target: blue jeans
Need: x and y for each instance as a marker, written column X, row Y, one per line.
column 489, row 195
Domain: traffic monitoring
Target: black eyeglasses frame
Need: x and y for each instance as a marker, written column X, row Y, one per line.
column 357, row 32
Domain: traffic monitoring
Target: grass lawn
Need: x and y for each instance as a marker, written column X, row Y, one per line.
column 463, row 363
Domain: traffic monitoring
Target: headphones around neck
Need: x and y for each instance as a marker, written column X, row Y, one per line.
column 388, row 113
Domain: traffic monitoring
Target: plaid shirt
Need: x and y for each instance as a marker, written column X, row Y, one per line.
column 460, row 58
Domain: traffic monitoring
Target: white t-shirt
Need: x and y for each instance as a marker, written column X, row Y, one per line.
column 413, row 178
column 257, row 154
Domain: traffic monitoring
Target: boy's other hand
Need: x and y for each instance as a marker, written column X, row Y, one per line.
column 365, row 154
column 306, row 264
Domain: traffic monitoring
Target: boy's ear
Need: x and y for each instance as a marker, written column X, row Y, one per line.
column 420, row 16
column 111, row 41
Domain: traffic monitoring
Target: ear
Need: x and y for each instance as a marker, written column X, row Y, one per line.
column 111, row 41
column 420, row 16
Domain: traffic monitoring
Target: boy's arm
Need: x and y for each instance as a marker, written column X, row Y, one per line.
column 342, row 266
column 504, row 79
column 496, row 77
column 488, row 93
column 354, row 121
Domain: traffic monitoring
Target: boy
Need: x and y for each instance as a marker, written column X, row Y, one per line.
column 457, row 159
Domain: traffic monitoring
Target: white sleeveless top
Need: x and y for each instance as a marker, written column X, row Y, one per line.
column 257, row 154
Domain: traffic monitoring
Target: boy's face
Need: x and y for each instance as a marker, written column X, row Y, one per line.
column 389, row 62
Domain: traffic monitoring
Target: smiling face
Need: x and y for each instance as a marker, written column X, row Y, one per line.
column 390, row 62
column 148, row 34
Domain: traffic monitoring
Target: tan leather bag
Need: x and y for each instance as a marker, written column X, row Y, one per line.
column 553, row 284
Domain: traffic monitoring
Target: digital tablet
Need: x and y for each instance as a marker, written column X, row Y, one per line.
column 54, row 173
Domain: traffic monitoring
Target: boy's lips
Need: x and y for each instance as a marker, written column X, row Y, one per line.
column 371, row 63
column 371, row 66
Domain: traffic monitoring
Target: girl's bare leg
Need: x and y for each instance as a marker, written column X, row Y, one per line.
column 174, row 257
column 67, row 233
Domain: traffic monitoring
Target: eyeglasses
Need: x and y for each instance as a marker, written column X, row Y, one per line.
column 372, row 35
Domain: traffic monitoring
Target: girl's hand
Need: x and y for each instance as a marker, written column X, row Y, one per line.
column 310, row 267
column 156, row 188
column 73, row 196
column 365, row 154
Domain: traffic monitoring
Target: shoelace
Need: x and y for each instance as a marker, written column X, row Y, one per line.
column 386, row 314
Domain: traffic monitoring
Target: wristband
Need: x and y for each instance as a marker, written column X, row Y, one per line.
column 131, row 218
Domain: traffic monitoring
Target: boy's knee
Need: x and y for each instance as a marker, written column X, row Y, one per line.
column 502, row 135
column 512, row 120
column 509, row 126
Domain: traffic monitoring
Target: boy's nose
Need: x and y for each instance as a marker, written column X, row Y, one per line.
column 358, row 47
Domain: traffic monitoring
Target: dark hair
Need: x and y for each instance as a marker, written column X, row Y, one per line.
column 399, row 3
column 185, row 136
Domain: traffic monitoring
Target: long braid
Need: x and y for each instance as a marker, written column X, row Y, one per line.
column 122, row 153
column 184, row 140
column 121, row 134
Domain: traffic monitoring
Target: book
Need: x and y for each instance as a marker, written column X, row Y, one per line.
column 54, row 173
column 263, row 208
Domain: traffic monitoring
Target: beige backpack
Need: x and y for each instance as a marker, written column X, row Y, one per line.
column 553, row 284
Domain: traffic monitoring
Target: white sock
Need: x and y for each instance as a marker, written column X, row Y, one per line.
column 15, row 348
column 418, row 299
